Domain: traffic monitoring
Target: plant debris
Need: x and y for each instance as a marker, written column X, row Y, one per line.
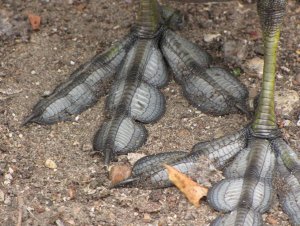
column 192, row 190
column 35, row 21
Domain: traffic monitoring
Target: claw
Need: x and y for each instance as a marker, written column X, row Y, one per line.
column 28, row 119
column 128, row 182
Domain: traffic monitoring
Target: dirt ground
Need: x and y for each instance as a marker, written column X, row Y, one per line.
column 71, row 32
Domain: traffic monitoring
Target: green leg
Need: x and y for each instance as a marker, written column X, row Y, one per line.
column 271, row 14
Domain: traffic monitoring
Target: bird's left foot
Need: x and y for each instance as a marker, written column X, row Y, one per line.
column 250, row 165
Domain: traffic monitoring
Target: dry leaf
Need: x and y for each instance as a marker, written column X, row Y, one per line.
column 192, row 190
column 35, row 21
column 119, row 173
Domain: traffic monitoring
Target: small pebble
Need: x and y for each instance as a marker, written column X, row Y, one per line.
column 72, row 62
column 279, row 76
column 147, row 217
column 104, row 193
column 46, row 93
column 256, row 65
column 285, row 69
column 286, row 123
column 298, row 123
column 2, row 196
column 210, row 37
column 76, row 143
column 297, row 80
column 87, row 147
column 50, row 164
column 7, row 200
column 119, row 173
column 59, row 222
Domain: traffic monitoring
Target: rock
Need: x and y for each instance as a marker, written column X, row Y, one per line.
column 255, row 66
column 59, row 222
column 2, row 196
column 50, row 164
column 286, row 123
column 147, row 217
column 210, row 37
column 7, row 201
column 119, row 173
column 235, row 51
column 87, row 147
column 286, row 101
column 46, row 93
column 285, row 69
column 296, row 80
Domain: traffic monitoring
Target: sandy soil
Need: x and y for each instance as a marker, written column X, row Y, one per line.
column 76, row 193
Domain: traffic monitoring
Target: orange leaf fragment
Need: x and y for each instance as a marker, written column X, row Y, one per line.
column 35, row 21
column 119, row 173
column 192, row 190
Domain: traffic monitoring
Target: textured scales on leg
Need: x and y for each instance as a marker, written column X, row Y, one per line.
column 85, row 86
column 247, row 190
column 148, row 172
column 251, row 187
column 132, row 72
column 133, row 98
column 289, row 171
column 212, row 90
column 220, row 151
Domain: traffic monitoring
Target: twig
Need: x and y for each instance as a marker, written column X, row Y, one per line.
column 34, row 217
column 20, row 215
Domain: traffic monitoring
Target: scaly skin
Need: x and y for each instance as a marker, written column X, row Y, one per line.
column 132, row 72
column 249, row 157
